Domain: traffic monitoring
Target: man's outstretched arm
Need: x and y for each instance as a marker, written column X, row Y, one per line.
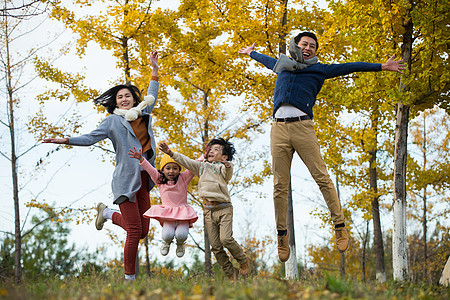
column 393, row 65
column 247, row 50
column 267, row 61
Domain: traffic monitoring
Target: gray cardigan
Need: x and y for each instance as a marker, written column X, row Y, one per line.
column 126, row 179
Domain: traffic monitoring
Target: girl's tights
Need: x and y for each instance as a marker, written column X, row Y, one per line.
column 179, row 230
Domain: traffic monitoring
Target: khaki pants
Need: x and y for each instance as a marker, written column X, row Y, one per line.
column 300, row 137
column 219, row 226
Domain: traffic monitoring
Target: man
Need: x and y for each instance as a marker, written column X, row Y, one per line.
column 299, row 80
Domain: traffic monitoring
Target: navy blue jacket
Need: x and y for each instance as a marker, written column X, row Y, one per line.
column 300, row 88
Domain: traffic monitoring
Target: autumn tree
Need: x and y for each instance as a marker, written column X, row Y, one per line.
column 17, row 24
column 355, row 122
column 200, row 66
column 428, row 184
column 358, row 31
column 117, row 26
column 192, row 63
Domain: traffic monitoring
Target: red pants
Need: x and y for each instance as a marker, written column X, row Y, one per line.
column 132, row 220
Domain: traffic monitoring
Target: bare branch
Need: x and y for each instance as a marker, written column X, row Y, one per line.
column 6, row 232
column 18, row 11
column 4, row 155
column 195, row 242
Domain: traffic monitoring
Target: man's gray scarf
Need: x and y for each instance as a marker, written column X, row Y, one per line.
column 295, row 62
column 135, row 112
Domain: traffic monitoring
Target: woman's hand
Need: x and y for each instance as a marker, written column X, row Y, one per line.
column 154, row 63
column 247, row 50
column 56, row 141
column 136, row 154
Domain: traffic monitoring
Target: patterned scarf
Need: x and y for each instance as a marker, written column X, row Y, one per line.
column 295, row 62
column 135, row 112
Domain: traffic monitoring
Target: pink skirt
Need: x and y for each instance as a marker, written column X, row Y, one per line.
column 172, row 213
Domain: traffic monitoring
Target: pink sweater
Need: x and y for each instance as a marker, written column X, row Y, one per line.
column 174, row 205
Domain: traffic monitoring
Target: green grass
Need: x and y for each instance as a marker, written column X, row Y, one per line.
column 112, row 286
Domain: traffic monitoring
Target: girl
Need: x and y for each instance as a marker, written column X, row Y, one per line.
column 174, row 215
column 129, row 125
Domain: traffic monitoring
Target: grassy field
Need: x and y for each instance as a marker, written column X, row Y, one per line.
column 177, row 286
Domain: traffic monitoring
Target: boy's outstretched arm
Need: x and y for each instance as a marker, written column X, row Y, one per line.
column 393, row 65
column 247, row 50
column 164, row 148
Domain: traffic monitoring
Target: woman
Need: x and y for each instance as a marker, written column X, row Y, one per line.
column 128, row 126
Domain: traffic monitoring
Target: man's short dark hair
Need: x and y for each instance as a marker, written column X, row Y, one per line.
column 228, row 147
column 308, row 34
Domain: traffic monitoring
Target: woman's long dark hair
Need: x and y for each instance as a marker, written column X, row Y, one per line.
column 108, row 98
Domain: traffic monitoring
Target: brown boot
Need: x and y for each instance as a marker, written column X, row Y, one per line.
column 283, row 247
column 341, row 239
column 245, row 268
column 234, row 275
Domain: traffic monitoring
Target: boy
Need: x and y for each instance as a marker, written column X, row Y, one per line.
column 214, row 173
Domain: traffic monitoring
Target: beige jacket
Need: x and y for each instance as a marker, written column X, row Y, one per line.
column 213, row 177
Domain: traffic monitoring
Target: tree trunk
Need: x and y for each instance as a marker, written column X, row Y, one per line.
column 126, row 57
column 380, row 272
column 364, row 251
column 208, row 264
column 399, row 242
column 291, row 266
column 342, row 266
column 342, row 261
column 424, row 220
column 14, row 168
column 147, row 256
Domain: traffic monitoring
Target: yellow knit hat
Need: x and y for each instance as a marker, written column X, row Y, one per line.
column 167, row 159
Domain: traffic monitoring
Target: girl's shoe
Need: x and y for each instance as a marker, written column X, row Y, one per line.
column 180, row 250
column 165, row 247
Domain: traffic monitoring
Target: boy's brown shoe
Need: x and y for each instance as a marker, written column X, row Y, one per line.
column 283, row 247
column 245, row 268
column 234, row 275
column 342, row 240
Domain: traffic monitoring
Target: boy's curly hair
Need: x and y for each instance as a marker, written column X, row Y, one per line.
column 228, row 147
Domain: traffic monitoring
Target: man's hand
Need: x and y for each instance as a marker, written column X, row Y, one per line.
column 392, row 65
column 247, row 50
column 164, row 148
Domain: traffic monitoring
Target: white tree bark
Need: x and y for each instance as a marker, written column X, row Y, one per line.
column 445, row 278
column 291, row 267
column 399, row 241
column 291, row 264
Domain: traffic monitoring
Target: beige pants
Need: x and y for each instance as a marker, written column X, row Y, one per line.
column 219, row 225
column 300, row 137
